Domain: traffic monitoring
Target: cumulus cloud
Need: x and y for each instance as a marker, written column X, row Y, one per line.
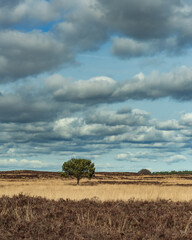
column 20, row 109
column 137, row 156
column 149, row 26
column 134, row 117
column 85, row 28
column 22, row 164
column 96, row 89
column 142, row 135
column 39, row 48
column 169, row 125
column 70, row 128
column 121, row 156
column 175, row 159
column 133, row 128
column 56, row 97
column 24, row 54
column 33, row 13
column 127, row 48
column 176, row 84
column 12, row 12
column 95, row 133
column 151, row 156
column 39, row 36
column 135, row 17
column 30, row 102
column 186, row 119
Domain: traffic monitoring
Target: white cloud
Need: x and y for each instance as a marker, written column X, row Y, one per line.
column 95, row 88
column 121, row 156
column 12, row 160
column 175, row 159
column 14, row 163
column 127, row 48
column 139, row 76
column 172, row 124
column 186, row 119
column 176, row 84
column 68, row 127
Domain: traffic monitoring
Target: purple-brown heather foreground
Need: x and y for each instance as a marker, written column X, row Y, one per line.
column 43, row 205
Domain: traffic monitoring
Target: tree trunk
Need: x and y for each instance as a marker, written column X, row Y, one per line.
column 78, row 181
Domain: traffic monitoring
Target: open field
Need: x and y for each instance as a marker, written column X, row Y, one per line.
column 104, row 186
column 146, row 212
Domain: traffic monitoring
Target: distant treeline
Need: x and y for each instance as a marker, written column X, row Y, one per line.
column 172, row 172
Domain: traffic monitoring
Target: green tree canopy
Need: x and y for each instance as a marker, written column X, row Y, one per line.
column 78, row 168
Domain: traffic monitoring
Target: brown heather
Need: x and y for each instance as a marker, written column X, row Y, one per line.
column 24, row 217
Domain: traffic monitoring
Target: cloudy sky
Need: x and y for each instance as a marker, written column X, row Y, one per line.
column 110, row 81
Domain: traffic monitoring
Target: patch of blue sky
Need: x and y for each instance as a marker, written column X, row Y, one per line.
column 29, row 26
column 161, row 109
column 103, row 63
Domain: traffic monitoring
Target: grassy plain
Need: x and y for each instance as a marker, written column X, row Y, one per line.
column 105, row 186
column 116, row 206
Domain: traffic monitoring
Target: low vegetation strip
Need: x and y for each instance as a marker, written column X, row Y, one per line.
column 24, row 217
column 173, row 173
column 28, row 174
column 128, row 182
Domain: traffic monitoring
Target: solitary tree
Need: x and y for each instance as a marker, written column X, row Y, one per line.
column 78, row 168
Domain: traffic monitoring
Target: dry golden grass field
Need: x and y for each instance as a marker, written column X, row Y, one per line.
column 104, row 186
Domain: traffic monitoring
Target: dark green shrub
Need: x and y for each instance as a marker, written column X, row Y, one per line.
column 144, row 172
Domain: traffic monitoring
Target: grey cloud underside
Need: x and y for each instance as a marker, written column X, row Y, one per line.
column 30, row 104
column 153, row 156
column 14, row 109
column 35, row 124
column 131, row 118
column 142, row 20
column 9, row 3
column 96, row 134
column 176, row 84
column 57, row 97
column 136, row 29
column 149, row 27
column 24, row 54
column 141, row 28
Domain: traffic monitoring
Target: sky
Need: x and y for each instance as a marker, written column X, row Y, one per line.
column 109, row 81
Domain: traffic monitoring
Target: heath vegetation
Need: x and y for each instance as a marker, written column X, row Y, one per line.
column 24, row 217
column 44, row 205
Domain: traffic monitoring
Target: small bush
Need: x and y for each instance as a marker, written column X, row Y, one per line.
column 144, row 172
